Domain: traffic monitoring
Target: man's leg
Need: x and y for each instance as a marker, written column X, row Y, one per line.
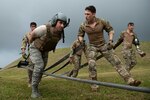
column 37, row 60
column 77, row 64
column 116, row 63
column 30, row 73
column 130, row 59
column 29, row 77
column 92, row 54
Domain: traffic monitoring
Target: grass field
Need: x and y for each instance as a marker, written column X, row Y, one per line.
column 13, row 82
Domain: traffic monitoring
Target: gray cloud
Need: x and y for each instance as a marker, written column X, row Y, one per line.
column 17, row 14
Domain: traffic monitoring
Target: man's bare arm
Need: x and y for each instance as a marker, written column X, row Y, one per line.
column 31, row 36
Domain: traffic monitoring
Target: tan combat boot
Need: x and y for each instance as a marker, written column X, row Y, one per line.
column 75, row 73
column 94, row 87
column 133, row 82
column 142, row 54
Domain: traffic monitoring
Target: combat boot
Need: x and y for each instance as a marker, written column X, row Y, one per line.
column 142, row 54
column 94, row 88
column 35, row 92
column 70, row 73
column 75, row 73
column 133, row 82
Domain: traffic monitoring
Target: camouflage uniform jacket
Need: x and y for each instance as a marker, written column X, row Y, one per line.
column 127, row 40
column 25, row 42
column 95, row 35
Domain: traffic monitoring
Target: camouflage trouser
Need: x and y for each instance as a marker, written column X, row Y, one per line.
column 39, row 59
column 110, row 57
column 77, row 64
column 130, row 58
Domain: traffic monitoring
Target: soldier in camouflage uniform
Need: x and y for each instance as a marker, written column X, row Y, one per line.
column 25, row 43
column 76, row 58
column 128, row 37
column 42, row 40
column 94, row 28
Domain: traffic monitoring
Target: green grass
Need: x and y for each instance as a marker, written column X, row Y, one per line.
column 13, row 82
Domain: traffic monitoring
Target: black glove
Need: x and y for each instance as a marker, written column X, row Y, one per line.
column 22, row 63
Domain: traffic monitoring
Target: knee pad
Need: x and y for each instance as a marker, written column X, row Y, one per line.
column 92, row 63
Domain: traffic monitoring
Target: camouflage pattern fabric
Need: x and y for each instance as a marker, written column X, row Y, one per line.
column 130, row 59
column 25, row 44
column 110, row 57
column 39, row 59
column 76, row 58
column 24, row 41
column 77, row 64
column 128, row 52
column 95, row 36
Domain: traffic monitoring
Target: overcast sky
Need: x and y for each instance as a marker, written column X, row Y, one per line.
column 15, row 16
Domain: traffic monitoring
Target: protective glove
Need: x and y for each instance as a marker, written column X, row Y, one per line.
column 110, row 45
column 23, row 63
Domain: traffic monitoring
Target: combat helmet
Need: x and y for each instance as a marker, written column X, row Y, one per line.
column 59, row 16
